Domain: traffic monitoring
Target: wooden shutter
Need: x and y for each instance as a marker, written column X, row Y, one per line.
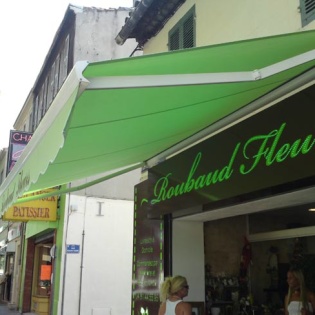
column 188, row 32
column 182, row 35
column 307, row 11
column 174, row 40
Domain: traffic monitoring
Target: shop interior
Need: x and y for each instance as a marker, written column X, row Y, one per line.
column 261, row 283
column 247, row 255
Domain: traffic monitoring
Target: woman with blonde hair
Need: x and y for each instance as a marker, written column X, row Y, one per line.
column 172, row 292
column 299, row 300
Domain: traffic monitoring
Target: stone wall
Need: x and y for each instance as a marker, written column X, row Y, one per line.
column 223, row 245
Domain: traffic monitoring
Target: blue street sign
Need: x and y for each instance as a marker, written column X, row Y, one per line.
column 73, row 249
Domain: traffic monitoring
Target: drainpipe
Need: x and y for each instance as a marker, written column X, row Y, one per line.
column 81, row 273
column 65, row 253
column 82, row 256
column 132, row 22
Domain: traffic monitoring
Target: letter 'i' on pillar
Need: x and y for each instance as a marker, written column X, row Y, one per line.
column 100, row 214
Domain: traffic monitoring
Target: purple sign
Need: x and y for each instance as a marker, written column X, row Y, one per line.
column 18, row 141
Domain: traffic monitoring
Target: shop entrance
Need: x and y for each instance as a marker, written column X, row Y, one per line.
column 42, row 279
column 38, row 275
column 8, row 276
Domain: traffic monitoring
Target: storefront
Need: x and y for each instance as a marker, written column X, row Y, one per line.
column 115, row 116
column 226, row 187
column 30, row 254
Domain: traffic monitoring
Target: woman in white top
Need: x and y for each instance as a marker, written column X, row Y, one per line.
column 173, row 290
column 299, row 300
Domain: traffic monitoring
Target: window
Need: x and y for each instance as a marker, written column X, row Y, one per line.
column 31, row 122
column 41, row 106
column 42, row 270
column 307, row 11
column 45, row 89
column 182, row 35
column 54, row 79
column 56, row 87
column 64, row 62
column 37, row 112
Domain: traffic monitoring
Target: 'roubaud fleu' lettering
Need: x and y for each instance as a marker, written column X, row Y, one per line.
column 272, row 152
column 163, row 190
column 269, row 151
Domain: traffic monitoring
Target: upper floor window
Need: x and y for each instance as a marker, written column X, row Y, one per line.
column 30, row 123
column 57, row 75
column 64, row 61
column 307, row 11
column 54, row 79
column 37, row 116
column 182, row 35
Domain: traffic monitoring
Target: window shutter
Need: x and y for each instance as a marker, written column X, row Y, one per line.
column 307, row 11
column 37, row 111
column 188, row 32
column 64, row 62
column 182, row 35
column 45, row 94
column 174, row 40
column 56, row 86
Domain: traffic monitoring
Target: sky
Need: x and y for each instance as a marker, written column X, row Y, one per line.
column 27, row 29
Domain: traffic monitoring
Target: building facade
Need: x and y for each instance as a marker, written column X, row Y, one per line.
column 208, row 237
column 90, row 238
column 192, row 123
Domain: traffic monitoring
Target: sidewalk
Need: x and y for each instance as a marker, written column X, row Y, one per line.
column 4, row 310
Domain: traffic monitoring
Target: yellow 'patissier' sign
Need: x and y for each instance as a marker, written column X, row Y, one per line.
column 43, row 209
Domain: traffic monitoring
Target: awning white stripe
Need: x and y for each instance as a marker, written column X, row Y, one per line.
column 125, row 82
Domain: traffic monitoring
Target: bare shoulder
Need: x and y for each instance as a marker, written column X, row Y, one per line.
column 183, row 308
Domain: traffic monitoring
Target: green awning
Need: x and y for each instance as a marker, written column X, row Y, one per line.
column 118, row 114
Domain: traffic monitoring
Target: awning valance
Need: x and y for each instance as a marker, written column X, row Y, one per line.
column 118, row 114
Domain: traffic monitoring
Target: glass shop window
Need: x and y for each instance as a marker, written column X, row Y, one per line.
column 43, row 270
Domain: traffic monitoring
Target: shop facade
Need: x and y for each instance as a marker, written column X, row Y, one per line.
column 36, row 267
column 227, row 167
column 261, row 203
column 234, row 210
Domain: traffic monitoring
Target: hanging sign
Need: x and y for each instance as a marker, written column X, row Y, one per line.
column 17, row 142
column 44, row 209
column 272, row 150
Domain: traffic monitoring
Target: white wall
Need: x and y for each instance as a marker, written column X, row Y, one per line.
column 107, row 257
column 188, row 257
column 95, row 35
column 119, row 187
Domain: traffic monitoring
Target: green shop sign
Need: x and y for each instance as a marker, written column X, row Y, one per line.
column 272, row 148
